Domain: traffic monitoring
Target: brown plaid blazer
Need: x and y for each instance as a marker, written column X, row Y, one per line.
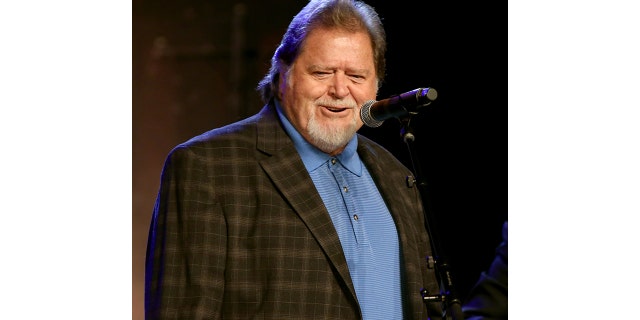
column 240, row 232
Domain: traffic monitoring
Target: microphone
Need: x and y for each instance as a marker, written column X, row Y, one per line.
column 374, row 113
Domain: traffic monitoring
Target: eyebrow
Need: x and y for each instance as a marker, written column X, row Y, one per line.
column 316, row 67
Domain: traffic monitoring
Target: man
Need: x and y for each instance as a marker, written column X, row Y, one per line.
column 290, row 214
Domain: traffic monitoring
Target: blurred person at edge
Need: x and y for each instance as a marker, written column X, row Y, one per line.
column 488, row 299
column 290, row 213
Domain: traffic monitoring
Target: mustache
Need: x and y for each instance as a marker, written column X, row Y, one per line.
column 347, row 103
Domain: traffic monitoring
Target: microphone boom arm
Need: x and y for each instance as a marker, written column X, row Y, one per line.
column 452, row 305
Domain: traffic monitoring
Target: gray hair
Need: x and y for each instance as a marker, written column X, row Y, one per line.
column 350, row 15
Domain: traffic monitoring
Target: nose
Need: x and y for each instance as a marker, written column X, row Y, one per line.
column 339, row 88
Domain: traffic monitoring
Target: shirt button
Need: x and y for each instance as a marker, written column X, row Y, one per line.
column 333, row 161
column 355, row 217
column 345, row 189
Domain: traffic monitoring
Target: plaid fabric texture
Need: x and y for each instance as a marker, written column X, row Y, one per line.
column 240, row 232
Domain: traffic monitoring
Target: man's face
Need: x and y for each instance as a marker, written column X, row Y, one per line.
column 326, row 86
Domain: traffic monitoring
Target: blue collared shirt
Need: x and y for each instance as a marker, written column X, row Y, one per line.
column 364, row 225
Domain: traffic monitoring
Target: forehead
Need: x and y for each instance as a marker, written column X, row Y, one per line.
column 338, row 45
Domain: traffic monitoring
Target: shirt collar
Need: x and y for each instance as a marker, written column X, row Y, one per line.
column 313, row 157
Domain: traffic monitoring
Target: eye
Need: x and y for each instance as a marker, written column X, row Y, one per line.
column 357, row 77
column 321, row 74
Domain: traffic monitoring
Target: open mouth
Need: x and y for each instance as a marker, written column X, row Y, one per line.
column 333, row 109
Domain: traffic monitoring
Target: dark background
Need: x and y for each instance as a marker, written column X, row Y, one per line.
column 196, row 64
column 461, row 138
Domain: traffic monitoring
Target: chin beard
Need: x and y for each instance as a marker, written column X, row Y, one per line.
column 329, row 138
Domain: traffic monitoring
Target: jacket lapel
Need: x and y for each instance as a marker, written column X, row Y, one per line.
column 396, row 201
column 403, row 213
column 285, row 168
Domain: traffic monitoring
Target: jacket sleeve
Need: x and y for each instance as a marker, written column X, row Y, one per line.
column 488, row 298
column 186, row 246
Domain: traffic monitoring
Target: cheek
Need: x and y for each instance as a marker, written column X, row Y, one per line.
column 368, row 93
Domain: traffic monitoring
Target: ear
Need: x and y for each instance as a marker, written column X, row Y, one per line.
column 281, row 79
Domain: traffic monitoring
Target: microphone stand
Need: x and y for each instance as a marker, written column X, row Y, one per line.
column 451, row 304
